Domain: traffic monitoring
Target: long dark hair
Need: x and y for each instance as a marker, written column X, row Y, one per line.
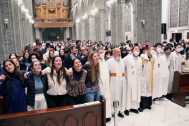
column 16, row 72
column 24, row 59
column 11, row 54
column 61, row 71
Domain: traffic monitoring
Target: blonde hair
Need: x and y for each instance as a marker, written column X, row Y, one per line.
column 93, row 67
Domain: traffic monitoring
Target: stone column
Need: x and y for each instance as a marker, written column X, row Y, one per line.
column 92, row 32
column 82, row 30
column 102, row 24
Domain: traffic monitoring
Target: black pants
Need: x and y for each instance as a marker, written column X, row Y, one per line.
column 145, row 102
column 56, row 101
column 76, row 100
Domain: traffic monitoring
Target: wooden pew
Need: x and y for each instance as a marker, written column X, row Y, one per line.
column 180, row 88
column 74, row 115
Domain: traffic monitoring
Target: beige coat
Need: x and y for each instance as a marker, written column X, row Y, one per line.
column 185, row 64
column 54, row 87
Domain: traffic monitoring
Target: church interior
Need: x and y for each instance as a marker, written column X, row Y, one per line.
column 24, row 22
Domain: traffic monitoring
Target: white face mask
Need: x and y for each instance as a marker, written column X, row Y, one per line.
column 159, row 50
column 12, row 57
column 57, row 49
column 152, row 52
column 136, row 53
column 182, row 49
column 178, row 50
column 162, row 51
column 34, row 60
column 103, row 47
column 164, row 44
column 101, row 56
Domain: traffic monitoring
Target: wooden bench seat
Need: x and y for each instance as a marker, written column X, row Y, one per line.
column 185, row 89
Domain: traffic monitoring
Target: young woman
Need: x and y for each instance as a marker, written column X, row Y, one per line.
column 36, row 88
column 13, row 55
column 93, row 74
column 61, row 54
column 49, row 61
column 57, row 82
column 16, row 62
column 12, row 89
column 24, row 63
column 76, row 87
column 34, row 56
column 41, row 57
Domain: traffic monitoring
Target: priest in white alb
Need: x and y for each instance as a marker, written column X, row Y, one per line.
column 117, row 80
column 104, row 82
column 147, row 78
column 164, row 71
column 157, row 88
column 133, row 70
column 175, row 65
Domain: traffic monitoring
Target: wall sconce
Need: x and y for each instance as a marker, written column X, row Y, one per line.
column 78, row 20
column 85, row 16
column 94, row 11
column 109, row 3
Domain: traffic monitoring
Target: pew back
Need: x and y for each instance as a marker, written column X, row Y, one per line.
column 75, row 115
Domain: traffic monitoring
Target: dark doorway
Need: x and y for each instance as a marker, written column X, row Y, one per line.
column 177, row 36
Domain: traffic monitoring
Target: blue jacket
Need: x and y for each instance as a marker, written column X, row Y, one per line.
column 84, row 60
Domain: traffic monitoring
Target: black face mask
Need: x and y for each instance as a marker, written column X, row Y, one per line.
column 123, row 55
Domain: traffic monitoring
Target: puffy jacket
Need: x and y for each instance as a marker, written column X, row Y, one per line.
column 30, row 82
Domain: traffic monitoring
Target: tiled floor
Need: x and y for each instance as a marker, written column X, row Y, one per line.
column 165, row 114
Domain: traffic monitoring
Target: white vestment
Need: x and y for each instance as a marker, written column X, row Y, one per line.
column 164, row 73
column 146, row 76
column 175, row 65
column 133, row 81
column 157, row 88
column 104, row 85
column 117, row 82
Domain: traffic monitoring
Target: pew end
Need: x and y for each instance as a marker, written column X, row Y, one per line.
column 88, row 114
column 180, row 88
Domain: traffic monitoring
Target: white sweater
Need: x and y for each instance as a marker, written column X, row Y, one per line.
column 54, row 87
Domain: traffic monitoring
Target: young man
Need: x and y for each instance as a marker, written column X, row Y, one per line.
column 147, row 75
column 68, row 59
column 104, row 82
column 157, row 88
column 133, row 70
column 164, row 71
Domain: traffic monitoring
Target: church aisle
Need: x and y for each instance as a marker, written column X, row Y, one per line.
column 165, row 114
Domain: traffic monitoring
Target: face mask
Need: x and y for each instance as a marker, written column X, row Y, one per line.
column 159, row 50
column 182, row 49
column 168, row 53
column 162, row 51
column 103, row 47
column 152, row 52
column 34, row 60
column 12, row 57
column 136, row 53
column 58, row 49
column 101, row 56
column 164, row 44
column 178, row 50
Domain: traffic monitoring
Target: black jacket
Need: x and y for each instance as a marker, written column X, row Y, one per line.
column 68, row 62
column 30, row 82
column 22, row 65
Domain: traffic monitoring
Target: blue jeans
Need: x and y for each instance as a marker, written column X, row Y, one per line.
column 91, row 95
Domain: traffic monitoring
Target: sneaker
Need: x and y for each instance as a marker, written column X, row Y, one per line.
column 156, row 102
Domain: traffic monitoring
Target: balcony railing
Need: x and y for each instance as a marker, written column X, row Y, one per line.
column 53, row 22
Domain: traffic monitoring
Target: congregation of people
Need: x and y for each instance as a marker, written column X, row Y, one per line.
column 75, row 72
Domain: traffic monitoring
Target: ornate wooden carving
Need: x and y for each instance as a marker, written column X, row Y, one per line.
column 27, row 123
column 50, row 122
column 90, row 115
column 70, row 120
